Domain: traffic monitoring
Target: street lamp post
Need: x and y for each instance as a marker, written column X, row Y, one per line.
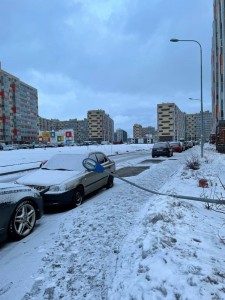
column 194, row 41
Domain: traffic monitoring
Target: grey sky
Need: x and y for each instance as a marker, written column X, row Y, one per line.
column 114, row 55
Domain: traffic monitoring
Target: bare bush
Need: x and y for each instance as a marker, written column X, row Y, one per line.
column 193, row 162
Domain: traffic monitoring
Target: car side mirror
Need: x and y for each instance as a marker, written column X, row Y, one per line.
column 92, row 165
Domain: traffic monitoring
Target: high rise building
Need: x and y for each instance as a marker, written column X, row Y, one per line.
column 218, row 63
column 50, row 124
column 80, row 127
column 120, row 136
column 142, row 132
column 171, row 122
column 18, row 110
column 100, row 126
column 193, row 126
column 137, row 131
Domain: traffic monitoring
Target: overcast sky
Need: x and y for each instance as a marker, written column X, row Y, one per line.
column 114, row 55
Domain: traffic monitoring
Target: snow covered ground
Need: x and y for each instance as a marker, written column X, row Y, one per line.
column 125, row 243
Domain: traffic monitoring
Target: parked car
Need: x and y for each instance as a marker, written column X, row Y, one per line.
column 9, row 147
column 190, row 144
column 20, row 207
column 24, row 146
column 162, row 149
column 63, row 180
column 177, row 146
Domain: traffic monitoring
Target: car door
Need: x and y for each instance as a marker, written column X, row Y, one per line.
column 93, row 180
column 108, row 166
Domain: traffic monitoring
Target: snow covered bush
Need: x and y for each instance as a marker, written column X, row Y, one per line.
column 193, row 162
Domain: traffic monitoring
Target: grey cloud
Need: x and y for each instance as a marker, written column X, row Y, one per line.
column 122, row 58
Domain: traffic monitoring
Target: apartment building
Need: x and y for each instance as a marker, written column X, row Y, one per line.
column 218, row 63
column 194, row 126
column 18, row 110
column 137, row 131
column 171, row 122
column 49, row 124
column 191, row 134
column 120, row 136
column 80, row 127
column 142, row 132
column 100, row 126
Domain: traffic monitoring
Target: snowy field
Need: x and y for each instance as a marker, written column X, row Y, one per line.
column 125, row 243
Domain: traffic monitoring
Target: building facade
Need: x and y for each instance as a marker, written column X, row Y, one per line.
column 18, row 110
column 100, row 126
column 137, row 131
column 218, row 63
column 143, row 132
column 49, row 124
column 171, row 122
column 57, row 137
column 120, row 136
column 80, row 127
column 193, row 126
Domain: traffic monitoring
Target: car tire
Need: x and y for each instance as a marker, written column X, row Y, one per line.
column 110, row 182
column 78, row 196
column 23, row 220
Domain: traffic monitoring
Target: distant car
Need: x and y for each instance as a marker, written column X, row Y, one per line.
column 60, row 144
column 20, row 207
column 24, row 146
column 8, row 147
column 190, row 144
column 63, row 180
column 177, row 146
column 162, row 149
column 51, row 145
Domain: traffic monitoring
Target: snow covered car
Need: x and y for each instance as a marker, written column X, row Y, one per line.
column 63, row 180
column 20, row 207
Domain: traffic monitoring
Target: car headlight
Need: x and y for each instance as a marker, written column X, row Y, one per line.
column 57, row 188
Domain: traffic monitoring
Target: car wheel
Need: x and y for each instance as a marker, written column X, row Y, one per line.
column 110, row 182
column 23, row 220
column 78, row 196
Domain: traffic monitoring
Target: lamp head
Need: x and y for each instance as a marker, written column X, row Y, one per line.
column 174, row 40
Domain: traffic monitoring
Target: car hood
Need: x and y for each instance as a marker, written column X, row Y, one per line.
column 12, row 186
column 44, row 177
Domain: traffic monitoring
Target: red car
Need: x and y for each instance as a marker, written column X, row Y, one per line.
column 176, row 146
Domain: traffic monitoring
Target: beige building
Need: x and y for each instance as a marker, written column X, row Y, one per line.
column 100, row 126
column 137, row 131
column 142, row 132
column 171, row 122
column 191, row 134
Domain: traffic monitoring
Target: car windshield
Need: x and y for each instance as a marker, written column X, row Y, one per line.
column 160, row 145
column 68, row 162
column 175, row 144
